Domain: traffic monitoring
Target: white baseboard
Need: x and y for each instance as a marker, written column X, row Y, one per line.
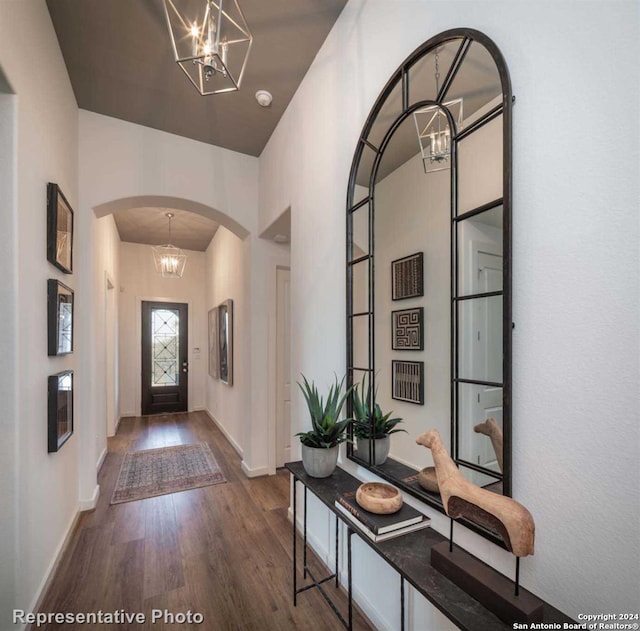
column 199, row 408
column 254, row 473
column 53, row 566
column 115, row 429
column 90, row 504
column 100, row 462
column 228, row 436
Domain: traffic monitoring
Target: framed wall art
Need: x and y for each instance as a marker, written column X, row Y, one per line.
column 407, row 381
column 214, row 367
column 59, row 229
column 59, row 318
column 225, row 342
column 60, row 416
column 407, row 329
column 407, row 277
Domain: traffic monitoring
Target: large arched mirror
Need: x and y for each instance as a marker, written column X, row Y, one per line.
column 428, row 265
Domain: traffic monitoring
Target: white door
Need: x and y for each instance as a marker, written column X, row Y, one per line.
column 110, row 359
column 283, row 367
column 487, row 354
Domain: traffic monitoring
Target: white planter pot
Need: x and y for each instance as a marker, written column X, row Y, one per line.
column 319, row 462
column 382, row 446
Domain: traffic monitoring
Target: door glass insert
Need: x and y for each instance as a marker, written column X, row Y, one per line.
column 165, row 347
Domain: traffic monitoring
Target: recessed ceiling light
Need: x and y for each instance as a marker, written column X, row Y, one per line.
column 264, row 98
column 281, row 238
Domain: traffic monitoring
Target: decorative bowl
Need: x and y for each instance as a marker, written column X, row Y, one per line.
column 428, row 480
column 382, row 499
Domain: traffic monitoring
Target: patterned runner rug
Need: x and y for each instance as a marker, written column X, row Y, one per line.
column 166, row 470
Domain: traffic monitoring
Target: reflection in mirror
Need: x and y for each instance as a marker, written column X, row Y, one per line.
column 412, row 214
column 480, row 253
column 422, row 73
column 477, row 82
column 480, row 166
column 361, row 287
column 480, row 425
column 361, row 188
column 360, row 227
column 389, row 112
column 360, row 340
column 480, row 339
column 482, row 479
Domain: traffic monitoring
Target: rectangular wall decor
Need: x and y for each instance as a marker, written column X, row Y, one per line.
column 407, row 278
column 59, row 318
column 407, row 330
column 213, row 343
column 407, row 381
column 225, row 341
column 59, row 229
column 60, row 417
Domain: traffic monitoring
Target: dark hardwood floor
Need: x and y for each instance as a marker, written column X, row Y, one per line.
column 223, row 551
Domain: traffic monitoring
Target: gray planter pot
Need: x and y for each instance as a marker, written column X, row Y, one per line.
column 319, row 463
column 381, row 446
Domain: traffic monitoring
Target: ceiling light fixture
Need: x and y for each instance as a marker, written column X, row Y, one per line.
column 169, row 260
column 434, row 133
column 211, row 42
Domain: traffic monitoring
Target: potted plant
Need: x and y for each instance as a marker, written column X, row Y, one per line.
column 370, row 424
column 320, row 443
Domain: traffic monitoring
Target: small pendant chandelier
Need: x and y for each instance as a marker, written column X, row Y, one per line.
column 434, row 133
column 211, row 43
column 169, row 260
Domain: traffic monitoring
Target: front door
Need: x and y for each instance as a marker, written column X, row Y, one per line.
column 165, row 367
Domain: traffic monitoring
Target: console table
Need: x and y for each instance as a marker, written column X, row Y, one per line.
column 409, row 555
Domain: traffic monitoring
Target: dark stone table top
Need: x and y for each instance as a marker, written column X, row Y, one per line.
column 410, row 556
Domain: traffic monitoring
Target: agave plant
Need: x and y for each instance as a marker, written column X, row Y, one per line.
column 327, row 430
column 369, row 421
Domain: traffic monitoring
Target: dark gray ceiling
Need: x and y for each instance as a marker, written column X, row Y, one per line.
column 118, row 54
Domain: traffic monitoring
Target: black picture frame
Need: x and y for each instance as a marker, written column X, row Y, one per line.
column 407, row 329
column 59, row 229
column 225, row 342
column 60, row 307
column 407, row 277
column 60, row 412
column 407, row 381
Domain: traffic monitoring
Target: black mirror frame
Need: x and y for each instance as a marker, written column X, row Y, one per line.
column 401, row 76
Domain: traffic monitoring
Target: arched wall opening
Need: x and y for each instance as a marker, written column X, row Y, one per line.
column 179, row 203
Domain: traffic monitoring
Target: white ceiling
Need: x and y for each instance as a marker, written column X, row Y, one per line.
column 189, row 231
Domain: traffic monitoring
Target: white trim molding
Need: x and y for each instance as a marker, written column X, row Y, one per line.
column 227, row 435
column 90, row 504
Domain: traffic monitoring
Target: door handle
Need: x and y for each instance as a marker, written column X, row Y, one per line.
column 185, row 366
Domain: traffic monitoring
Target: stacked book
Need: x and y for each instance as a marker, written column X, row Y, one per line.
column 380, row 527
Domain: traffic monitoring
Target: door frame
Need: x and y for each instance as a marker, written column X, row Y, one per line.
column 112, row 377
column 190, row 323
column 273, row 362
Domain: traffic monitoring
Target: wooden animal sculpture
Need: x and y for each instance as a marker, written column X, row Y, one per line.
column 506, row 517
column 491, row 429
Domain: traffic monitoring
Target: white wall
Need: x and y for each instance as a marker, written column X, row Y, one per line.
column 228, row 405
column 123, row 165
column 575, row 356
column 139, row 281
column 43, row 499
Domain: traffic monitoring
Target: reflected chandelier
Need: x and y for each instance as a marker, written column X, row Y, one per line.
column 211, row 42
column 434, row 132
column 169, row 260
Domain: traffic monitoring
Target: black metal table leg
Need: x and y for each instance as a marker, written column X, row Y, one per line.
column 304, row 554
column 349, row 535
column 401, row 603
column 295, row 590
column 337, row 578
